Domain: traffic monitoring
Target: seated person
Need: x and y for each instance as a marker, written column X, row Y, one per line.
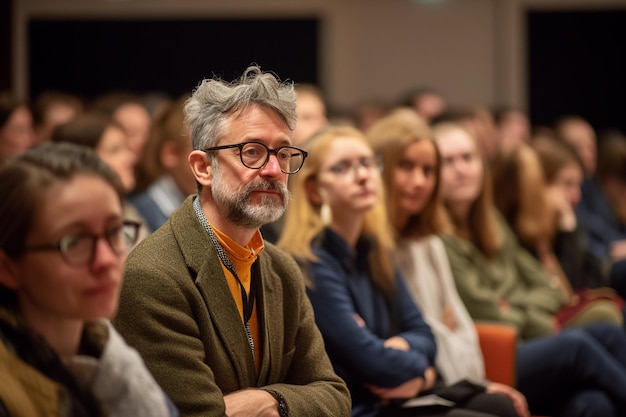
column 235, row 330
column 375, row 335
column 62, row 252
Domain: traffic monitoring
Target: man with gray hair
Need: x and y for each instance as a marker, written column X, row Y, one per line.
column 222, row 318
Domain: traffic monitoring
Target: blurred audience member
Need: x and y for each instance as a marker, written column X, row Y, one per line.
column 427, row 102
column 578, row 133
column 479, row 121
column 542, row 217
column 156, row 102
column 127, row 110
column 513, row 127
column 311, row 112
column 165, row 179
column 369, row 112
column 51, row 109
column 16, row 126
column 104, row 135
column 602, row 211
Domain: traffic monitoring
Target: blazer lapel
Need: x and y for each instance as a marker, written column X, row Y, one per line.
column 202, row 260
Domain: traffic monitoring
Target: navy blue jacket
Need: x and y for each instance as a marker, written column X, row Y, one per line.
column 340, row 289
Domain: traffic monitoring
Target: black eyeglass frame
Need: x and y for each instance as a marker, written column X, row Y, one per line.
column 62, row 245
column 267, row 156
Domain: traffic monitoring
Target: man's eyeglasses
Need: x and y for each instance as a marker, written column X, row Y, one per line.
column 254, row 155
column 79, row 250
column 343, row 168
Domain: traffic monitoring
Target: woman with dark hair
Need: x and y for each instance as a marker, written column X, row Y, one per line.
column 16, row 126
column 62, row 250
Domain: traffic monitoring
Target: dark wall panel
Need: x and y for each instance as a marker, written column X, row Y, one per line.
column 91, row 57
column 577, row 64
column 6, row 13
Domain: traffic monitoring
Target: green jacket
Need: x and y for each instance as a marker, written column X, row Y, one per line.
column 512, row 277
column 177, row 310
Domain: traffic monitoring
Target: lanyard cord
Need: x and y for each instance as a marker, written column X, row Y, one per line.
column 247, row 303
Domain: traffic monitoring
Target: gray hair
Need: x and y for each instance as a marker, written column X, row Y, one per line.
column 207, row 111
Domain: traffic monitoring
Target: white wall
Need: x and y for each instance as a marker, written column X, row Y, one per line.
column 471, row 50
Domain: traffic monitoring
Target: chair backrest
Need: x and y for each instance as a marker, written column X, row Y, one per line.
column 498, row 345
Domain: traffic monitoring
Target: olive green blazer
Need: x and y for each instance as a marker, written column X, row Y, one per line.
column 177, row 311
column 513, row 276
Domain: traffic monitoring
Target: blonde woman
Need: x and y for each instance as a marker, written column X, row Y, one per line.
column 375, row 335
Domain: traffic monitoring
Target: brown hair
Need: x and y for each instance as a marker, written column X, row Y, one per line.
column 169, row 127
column 390, row 136
column 482, row 227
column 85, row 129
column 24, row 180
column 520, row 192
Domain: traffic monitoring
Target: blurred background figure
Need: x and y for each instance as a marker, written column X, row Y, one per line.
column 479, row 121
column 107, row 137
column 602, row 209
column 155, row 102
column 427, row 102
column 541, row 213
column 129, row 112
column 164, row 176
column 62, row 250
column 602, row 212
column 513, row 128
column 311, row 112
column 16, row 126
column 51, row 109
column 369, row 112
column 579, row 134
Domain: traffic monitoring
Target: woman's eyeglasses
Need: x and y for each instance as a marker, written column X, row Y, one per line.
column 79, row 249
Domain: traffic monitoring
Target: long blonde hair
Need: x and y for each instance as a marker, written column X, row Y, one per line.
column 303, row 222
column 390, row 137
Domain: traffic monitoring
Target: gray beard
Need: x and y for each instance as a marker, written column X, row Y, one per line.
column 237, row 208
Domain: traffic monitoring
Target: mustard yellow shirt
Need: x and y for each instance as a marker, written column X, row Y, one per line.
column 242, row 258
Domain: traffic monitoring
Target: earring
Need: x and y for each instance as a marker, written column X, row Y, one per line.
column 326, row 214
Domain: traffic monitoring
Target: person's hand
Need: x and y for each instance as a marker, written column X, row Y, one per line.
column 397, row 342
column 251, row 403
column 448, row 318
column 430, row 377
column 518, row 399
column 566, row 215
column 618, row 250
column 409, row 389
column 359, row 320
